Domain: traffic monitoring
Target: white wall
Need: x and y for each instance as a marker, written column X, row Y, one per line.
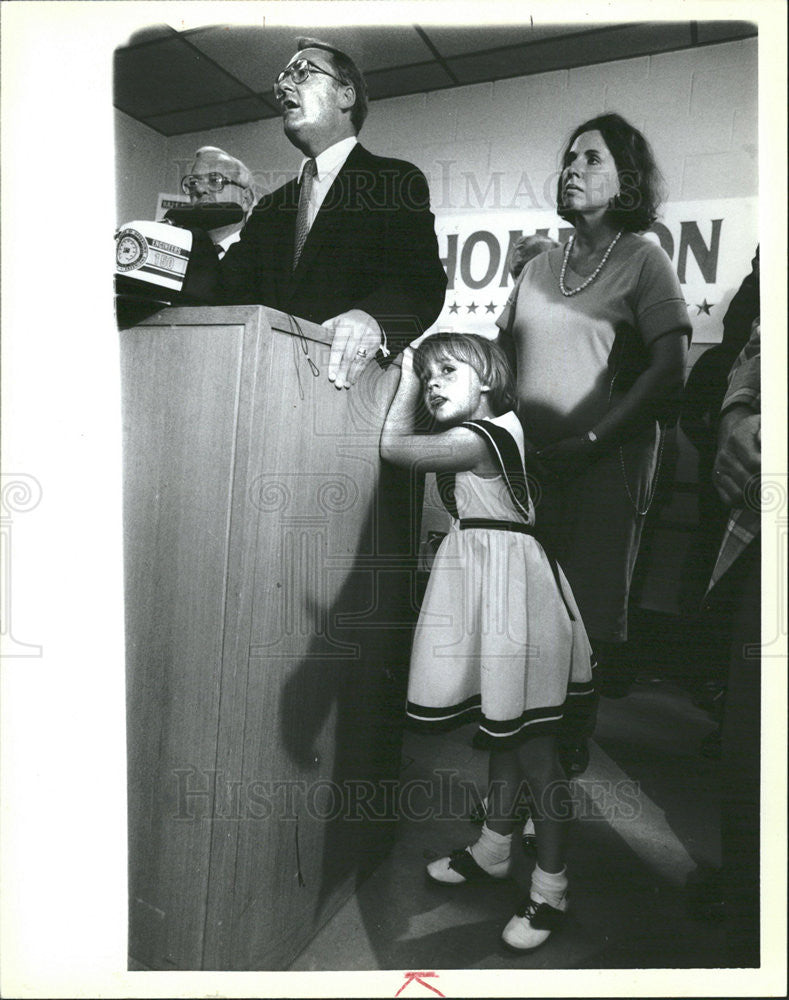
column 140, row 159
column 697, row 107
column 492, row 151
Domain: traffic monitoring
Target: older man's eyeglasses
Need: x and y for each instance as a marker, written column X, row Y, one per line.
column 297, row 72
column 207, row 182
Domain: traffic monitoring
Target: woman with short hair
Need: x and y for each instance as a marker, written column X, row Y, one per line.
column 599, row 331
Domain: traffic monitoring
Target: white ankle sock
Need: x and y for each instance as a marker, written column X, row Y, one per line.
column 551, row 886
column 491, row 848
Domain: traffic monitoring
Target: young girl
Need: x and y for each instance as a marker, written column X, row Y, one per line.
column 499, row 637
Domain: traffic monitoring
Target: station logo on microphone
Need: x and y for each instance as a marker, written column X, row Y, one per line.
column 131, row 250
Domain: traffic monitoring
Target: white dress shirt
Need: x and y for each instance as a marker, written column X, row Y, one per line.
column 224, row 245
column 327, row 164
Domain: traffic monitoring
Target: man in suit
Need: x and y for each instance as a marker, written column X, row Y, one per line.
column 219, row 185
column 350, row 243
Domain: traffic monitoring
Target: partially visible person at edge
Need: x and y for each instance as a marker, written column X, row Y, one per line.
column 698, row 420
column 218, row 180
column 351, row 243
column 524, row 249
column 735, row 586
column 599, row 331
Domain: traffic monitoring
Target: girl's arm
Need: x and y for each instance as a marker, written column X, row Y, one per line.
column 455, row 450
column 659, row 384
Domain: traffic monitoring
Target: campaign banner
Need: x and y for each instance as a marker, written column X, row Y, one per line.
column 710, row 244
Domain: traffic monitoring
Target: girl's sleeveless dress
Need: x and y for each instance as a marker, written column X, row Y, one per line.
column 499, row 638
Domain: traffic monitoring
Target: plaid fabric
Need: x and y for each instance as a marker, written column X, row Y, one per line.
column 744, row 522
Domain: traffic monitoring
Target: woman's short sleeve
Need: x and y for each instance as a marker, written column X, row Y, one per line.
column 505, row 318
column 660, row 305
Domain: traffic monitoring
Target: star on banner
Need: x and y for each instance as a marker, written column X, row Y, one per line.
column 490, row 307
column 704, row 307
column 454, row 307
column 472, row 308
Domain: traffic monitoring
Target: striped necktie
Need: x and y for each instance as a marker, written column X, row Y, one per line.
column 302, row 216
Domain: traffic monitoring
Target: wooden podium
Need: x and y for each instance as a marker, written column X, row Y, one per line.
column 269, row 566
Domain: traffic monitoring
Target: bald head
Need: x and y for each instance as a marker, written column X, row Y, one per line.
column 212, row 158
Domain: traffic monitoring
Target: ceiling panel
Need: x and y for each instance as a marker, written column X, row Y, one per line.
column 245, row 109
column 257, row 54
column 579, row 49
column 221, row 75
column 408, row 80
column 152, row 32
column 379, row 47
column 720, row 31
column 500, row 63
column 464, row 40
column 167, row 75
column 637, row 40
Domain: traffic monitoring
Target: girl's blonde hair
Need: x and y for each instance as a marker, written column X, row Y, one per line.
column 486, row 358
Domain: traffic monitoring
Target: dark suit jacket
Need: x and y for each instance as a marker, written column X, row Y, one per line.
column 372, row 246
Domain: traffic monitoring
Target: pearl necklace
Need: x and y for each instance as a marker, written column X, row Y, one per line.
column 567, row 250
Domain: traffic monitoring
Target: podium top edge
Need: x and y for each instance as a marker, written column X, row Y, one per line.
column 279, row 322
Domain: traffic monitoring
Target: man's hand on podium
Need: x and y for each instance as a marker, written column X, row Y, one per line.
column 357, row 337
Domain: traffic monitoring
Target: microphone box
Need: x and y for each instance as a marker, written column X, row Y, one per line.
column 153, row 254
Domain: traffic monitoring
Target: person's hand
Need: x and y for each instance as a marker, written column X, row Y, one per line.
column 534, row 464
column 356, row 338
column 567, row 458
column 738, row 458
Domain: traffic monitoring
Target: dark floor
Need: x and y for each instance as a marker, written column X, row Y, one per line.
column 648, row 817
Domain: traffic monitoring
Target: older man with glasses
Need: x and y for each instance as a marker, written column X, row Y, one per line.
column 351, row 242
column 221, row 194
